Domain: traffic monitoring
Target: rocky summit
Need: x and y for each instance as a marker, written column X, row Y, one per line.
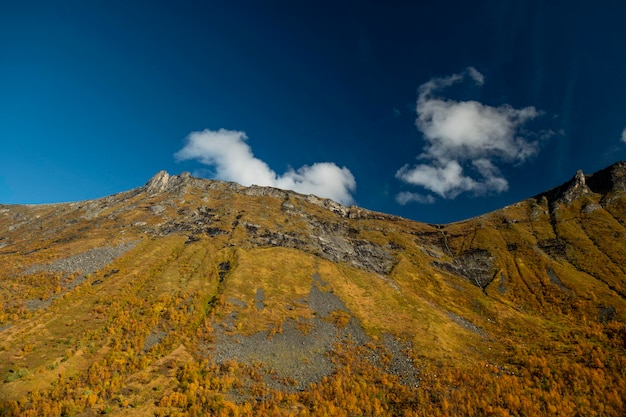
column 190, row 297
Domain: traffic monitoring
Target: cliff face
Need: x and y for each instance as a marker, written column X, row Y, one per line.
column 251, row 297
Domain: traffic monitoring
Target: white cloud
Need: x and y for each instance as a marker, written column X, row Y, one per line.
column 232, row 159
column 406, row 197
column 447, row 180
column 624, row 135
column 476, row 76
column 465, row 139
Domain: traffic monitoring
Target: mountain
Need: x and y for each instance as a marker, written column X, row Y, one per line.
column 195, row 297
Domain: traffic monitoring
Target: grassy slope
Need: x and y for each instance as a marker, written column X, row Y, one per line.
column 554, row 300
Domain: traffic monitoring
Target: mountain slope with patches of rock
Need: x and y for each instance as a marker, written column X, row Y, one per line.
column 189, row 297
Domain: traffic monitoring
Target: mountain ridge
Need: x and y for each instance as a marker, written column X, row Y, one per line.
column 188, row 296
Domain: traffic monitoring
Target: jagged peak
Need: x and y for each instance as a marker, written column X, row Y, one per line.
column 611, row 179
column 162, row 181
column 158, row 183
column 574, row 189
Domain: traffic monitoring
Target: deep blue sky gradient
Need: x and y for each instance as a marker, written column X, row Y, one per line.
column 96, row 97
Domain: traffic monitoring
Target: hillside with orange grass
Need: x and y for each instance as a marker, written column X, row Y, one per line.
column 190, row 297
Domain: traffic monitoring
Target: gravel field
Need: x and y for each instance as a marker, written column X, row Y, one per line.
column 87, row 262
column 84, row 263
column 305, row 358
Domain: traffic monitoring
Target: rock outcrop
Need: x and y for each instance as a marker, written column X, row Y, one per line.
column 574, row 189
column 163, row 182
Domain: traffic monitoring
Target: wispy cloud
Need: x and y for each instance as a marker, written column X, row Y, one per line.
column 228, row 153
column 465, row 140
column 624, row 135
column 406, row 197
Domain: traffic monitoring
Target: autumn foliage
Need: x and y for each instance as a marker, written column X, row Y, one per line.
column 519, row 312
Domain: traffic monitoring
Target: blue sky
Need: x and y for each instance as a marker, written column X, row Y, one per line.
column 435, row 112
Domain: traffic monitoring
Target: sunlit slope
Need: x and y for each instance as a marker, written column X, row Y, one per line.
column 191, row 296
